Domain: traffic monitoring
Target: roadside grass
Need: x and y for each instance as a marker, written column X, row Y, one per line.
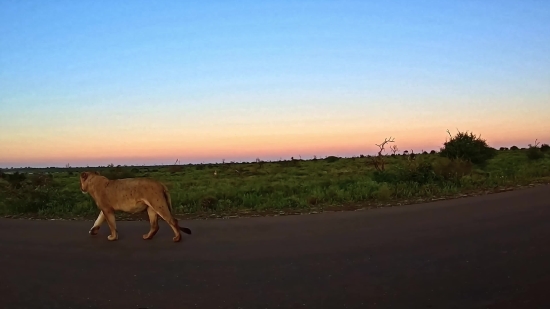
column 293, row 185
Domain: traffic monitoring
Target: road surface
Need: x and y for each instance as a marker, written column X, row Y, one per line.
column 490, row 251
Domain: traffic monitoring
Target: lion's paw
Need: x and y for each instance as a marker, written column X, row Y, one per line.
column 93, row 230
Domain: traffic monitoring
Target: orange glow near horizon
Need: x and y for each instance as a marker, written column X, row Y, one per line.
column 194, row 136
column 140, row 149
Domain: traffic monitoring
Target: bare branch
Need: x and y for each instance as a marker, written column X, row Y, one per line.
column 378, row 161
column 381, row 146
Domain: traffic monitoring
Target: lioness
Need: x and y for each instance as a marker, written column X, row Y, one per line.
column 130, row 195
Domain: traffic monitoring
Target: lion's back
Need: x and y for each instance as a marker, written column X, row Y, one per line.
column 138, row 188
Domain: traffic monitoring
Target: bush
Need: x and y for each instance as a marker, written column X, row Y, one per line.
column 383, row 193
column 421, row 173
column 118, row 173
column 331, row 159
column 468, row 147
column 16, row 179
column 544, row 147
column 175, row 169
column 452, row 169
column 514, row 148
column 534, row 153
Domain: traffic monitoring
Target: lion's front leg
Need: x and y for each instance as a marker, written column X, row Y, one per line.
column 97, row 224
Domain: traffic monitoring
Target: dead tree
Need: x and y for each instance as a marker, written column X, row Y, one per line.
column 412, row 156
column 536, row 144
column 394, row 149
column 378, row 161
column 260, row 162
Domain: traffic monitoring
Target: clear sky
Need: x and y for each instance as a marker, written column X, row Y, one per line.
column 149, row 82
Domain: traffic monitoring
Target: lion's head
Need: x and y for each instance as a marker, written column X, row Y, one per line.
column 84, row 180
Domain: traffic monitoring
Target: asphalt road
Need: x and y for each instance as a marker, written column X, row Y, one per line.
column 490, row 251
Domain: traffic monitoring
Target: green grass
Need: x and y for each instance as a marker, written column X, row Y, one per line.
column 280, row 186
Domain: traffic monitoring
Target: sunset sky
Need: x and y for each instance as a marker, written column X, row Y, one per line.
column 149, row 82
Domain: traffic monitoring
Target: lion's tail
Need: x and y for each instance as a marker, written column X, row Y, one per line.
column 169, row 202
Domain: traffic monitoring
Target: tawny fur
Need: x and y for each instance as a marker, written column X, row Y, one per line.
column 131, row 195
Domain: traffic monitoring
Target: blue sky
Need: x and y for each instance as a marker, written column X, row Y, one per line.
column 190, row 74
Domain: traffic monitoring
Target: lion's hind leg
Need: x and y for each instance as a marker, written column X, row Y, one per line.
column 154, row 221
column 165, row 214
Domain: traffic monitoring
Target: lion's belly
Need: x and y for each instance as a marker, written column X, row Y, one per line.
column 130, row 206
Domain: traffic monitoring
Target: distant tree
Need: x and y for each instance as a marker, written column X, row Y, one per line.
column 468, row 147
column 514, row 148
column 544, row 147
column 534, row 152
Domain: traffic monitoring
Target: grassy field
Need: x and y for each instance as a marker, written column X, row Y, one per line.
column 285, row 186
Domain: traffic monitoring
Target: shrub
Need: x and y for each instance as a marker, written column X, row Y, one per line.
column 514, row 148
column 383, row 193
column 468, row 147
column 118, row 173
column 175, row 168
column 419, row 172
column 452, row 169
column 16, row 179
column 41, row 180
column 389, row 176
column 432, row 152
column 209, row 203
column 544, row 147
column 331, row 159
column 534, row 152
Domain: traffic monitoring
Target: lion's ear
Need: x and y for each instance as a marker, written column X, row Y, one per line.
column 84, row 175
